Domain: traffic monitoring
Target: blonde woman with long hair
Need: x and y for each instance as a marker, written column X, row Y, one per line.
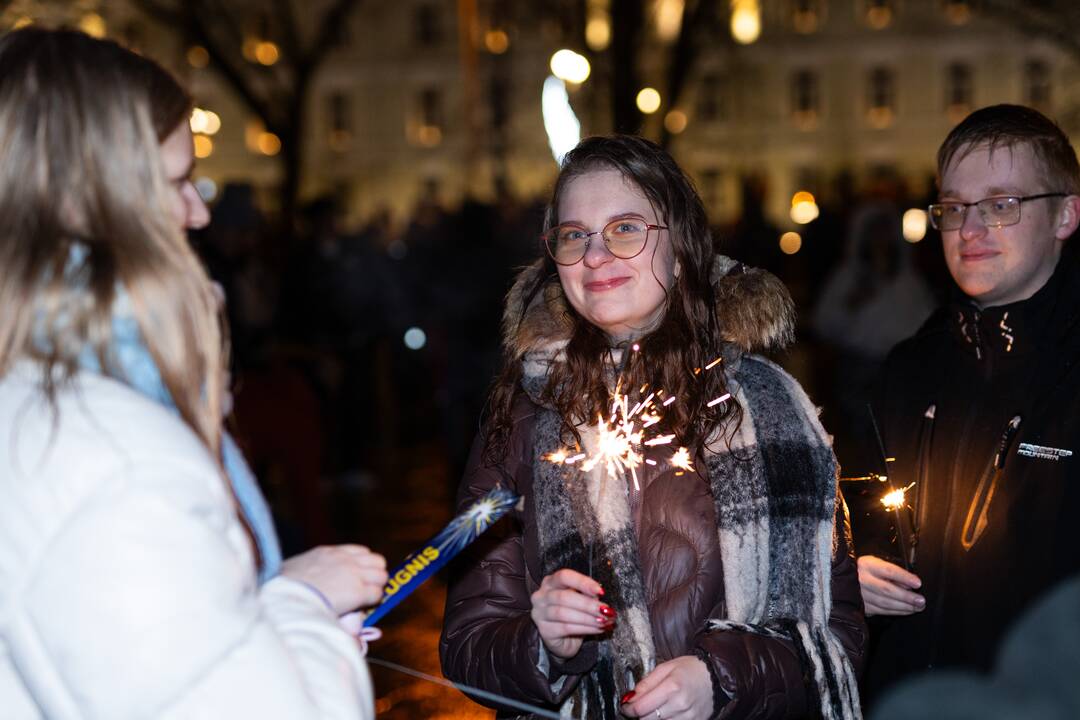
column 139, row 573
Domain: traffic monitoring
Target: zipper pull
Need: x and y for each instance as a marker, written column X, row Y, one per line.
column 1006, row 440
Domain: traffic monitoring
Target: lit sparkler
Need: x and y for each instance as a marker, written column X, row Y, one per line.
column 436, row 552
column 621, row 443
column 906, row 536
column 621, row 438
column 682, row 460
column 896, row 499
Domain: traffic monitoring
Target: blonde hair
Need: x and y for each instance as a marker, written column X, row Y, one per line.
column 81, row 177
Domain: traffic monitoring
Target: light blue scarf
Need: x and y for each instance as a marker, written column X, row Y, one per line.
column 139, row 371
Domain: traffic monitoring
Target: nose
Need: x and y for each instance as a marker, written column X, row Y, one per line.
column 973, row 226
column 197, row 215
column 597, row 253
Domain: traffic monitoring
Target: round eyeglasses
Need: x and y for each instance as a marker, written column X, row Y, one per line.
column 995, row 212
column 625, row 238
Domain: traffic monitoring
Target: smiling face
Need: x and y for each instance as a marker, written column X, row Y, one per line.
column 624, row 298
column 998, row 266
column 177, row 155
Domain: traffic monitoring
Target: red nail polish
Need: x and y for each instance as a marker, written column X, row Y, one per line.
column 608, row 611
column 627, row 698
column 600, row 591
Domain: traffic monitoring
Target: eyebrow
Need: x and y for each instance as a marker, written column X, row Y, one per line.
column 611, row 218
column 994, row 191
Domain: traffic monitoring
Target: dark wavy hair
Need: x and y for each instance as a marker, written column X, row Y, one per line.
column 673, row 355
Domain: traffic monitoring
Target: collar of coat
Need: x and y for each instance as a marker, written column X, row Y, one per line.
column 754, row 308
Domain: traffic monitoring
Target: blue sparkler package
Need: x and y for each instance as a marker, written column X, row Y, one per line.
column 438, row 551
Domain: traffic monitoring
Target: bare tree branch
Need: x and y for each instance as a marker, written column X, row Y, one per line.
column 684, row 54
column 1054, row 20
column 160, row 11
column 329, row 29
column 278, row 94
column 290, row 39
column 232, row 72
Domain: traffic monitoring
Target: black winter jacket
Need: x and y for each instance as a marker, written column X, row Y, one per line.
column 981, row 410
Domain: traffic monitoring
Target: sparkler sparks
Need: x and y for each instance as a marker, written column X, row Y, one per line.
column 896, row 499
column 557, row 457
column 621, row 443
column 681, row 459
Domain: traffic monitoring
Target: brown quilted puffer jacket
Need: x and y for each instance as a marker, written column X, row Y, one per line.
column 489, row 639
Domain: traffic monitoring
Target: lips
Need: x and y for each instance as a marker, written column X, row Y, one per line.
column 975, row 255
column 605, row 285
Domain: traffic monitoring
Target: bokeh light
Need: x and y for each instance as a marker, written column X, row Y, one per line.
column 204, row 146
column 570, row 66
column 675, row 122
column 197, row 56
column 804, row 208
column 914, row 224
column 415, row 338
column 648, row 100
column 745, row 21
column 560, row 122
column 496, row 41
column 790, row 243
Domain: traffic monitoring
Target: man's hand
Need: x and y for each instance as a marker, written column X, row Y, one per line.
column 887, row 588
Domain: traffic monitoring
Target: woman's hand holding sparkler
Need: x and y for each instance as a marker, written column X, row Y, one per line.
column 566, row 607
column 347, row 576
column 887, row 588
column 679, row 689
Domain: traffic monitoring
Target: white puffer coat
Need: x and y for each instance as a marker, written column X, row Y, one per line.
column 127, row 584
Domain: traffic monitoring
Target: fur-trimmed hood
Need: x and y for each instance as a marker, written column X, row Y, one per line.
column 755, row 310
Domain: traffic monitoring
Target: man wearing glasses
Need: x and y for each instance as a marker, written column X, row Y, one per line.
column 981, row 409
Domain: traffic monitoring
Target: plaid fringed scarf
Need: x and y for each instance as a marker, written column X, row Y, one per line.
column 774, row 488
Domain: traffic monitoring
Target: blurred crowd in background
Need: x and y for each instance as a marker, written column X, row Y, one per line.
column 355, row 349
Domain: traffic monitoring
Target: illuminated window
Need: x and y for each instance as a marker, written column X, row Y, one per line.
column 878, row 14
column 428, row 128
column 711, row 194
column 431, row 107
column 500, row 102
column 881, row 98
column 957, row 12
column 711, row 105
column 807, row 15
column 340, row 121
column 428, row 25
column 805, row 100
column 1037, row 85
column 340, row 116
column 959, row 91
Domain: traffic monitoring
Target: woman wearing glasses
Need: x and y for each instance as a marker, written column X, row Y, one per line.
column 679, row 553
column 128, row 584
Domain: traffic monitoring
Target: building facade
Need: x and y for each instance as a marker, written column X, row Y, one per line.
column 438, row 101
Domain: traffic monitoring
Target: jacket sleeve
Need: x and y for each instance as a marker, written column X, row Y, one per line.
column 489, row 639
column 763, row 676
column 145, row 605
